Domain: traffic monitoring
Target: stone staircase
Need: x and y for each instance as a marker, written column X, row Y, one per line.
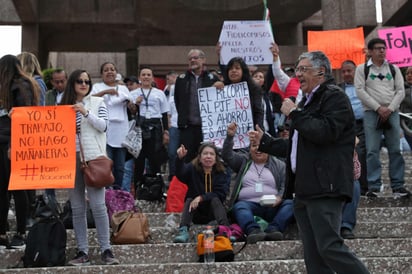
column 383, row 242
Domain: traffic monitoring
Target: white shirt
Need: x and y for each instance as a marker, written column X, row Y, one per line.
column 118, row 125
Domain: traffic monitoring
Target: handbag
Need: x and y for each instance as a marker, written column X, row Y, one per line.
column 133, row 140
column 129, row 227
column 97, row 172
column 223, row 249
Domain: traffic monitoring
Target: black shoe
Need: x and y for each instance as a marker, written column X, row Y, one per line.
column 346, row 233
column 108, row 258
column 372, row 193
column 4, row 242
column 273, row 235
column 255, row 236
column 18, row 241
column 401, row 193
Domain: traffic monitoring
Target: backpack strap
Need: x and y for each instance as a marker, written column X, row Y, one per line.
column 366, row 71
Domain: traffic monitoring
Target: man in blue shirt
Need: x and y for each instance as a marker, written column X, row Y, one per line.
column 348, row 68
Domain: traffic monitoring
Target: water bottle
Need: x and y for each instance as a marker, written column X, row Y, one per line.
column 171, row 223
column 209, row 244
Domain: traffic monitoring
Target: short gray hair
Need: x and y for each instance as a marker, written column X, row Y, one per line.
column 199, row 51
column 318, row 59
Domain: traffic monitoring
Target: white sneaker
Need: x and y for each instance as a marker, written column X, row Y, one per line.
column 11, row 214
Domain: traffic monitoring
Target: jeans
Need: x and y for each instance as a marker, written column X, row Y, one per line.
column 373, row 145
column 278, row 217
column 96, row 197
column 324, row 250
column 349, row 209
column 118, row 155
column 128, row 174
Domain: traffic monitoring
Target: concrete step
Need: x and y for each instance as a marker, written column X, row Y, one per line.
column 364, row 214
column 185, row 253
column 376, row 265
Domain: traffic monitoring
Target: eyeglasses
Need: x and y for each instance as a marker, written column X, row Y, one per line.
column 194, row 58
column 80, row 82
column 379, row 48
column 302, row 69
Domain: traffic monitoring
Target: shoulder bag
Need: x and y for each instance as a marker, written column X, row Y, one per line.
column 97, row 172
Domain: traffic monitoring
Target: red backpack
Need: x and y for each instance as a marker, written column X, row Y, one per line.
column 176, row 195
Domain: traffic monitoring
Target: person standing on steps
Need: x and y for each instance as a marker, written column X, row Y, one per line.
column 319, row 165
column 380, row 87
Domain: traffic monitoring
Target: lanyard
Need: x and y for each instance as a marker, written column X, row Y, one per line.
column 146, row 98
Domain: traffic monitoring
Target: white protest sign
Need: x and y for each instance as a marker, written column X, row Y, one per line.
column 250, row 40
column 219, row 107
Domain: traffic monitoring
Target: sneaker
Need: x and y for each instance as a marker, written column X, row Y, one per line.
column 401, row 192
column 255, row 236
column 273, row 234
column 372, row 193
column 183, row 236
column 18, row 241
column 4, row 242
column 346, row 233
column 108, row 258
column 81, row 259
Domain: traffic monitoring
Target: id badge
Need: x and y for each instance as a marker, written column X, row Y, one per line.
column 259, row 187
column 148, row 115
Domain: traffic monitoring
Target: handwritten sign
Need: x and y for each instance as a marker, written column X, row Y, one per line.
column 43, row 147
column 339, row 45
column 398, row 45
column 250, row 40
column 220, row 107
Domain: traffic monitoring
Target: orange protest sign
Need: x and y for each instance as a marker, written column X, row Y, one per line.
column 339, row 45
column 43, row 147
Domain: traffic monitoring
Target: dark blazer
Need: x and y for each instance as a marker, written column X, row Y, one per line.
column 326, row 140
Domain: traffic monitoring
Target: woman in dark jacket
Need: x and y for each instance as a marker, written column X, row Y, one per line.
column 237, row 71
column 208, row 185
column 16, row 90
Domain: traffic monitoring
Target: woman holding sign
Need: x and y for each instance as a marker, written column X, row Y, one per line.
column 16, row 90
column 91, row 125
column 237, row 71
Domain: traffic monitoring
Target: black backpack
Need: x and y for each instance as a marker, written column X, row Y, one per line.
column 46, row 243
column 46, row 240
column 151, row 188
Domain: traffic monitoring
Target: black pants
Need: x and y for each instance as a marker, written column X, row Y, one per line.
column 206, row 211
column 191, row 137
column 319, row 221
column 152, row 150
column 20, row 198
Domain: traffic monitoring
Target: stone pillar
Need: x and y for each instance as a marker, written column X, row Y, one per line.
column 31, row 42
column 132, row 62
column 338, row 14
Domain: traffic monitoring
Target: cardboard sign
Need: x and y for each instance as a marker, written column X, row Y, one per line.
column 220, row 107
column 43, row 147
column 398, row 45
column 339, row 45
column 250, row 40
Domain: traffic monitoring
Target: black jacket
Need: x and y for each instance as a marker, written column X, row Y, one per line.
column 324, row 160
column 182, row 94
column 195, row 182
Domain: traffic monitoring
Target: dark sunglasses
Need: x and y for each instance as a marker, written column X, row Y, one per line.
column 80, row 82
